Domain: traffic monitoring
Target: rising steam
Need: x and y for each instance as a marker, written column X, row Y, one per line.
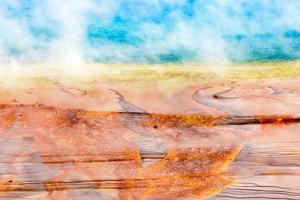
column 73, row 32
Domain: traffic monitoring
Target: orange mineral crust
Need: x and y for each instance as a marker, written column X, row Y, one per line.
column 124, row 140
column 56, row 150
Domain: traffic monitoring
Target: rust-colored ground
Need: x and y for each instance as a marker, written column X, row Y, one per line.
column 173, row 138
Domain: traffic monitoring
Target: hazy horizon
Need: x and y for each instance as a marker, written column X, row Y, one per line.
column 152, row 31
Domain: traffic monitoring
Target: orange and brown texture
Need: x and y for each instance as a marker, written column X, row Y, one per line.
column 158, row 136
column 149, row 99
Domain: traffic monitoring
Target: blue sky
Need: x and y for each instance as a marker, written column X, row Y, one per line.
column 134, row 31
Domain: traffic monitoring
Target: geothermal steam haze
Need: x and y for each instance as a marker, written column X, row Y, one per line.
column 138, row 31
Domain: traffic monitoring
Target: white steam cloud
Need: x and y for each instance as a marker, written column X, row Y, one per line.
column 73, row 32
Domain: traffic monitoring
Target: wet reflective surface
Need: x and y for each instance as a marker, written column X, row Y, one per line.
column 106, row 140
